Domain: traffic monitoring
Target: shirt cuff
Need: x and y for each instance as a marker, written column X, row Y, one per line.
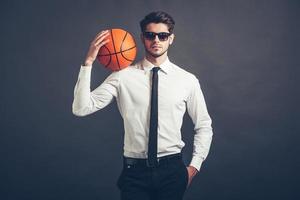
column 85, row 72
column 196, row 162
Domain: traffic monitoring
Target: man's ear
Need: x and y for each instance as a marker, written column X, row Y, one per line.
column 171, row 38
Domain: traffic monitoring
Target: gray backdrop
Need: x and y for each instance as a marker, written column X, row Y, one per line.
column 245, row 53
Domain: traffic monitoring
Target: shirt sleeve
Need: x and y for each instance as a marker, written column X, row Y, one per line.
column 86, row 102
column 197, row 110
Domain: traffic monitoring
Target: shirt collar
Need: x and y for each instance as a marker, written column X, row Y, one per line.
column 165, row 66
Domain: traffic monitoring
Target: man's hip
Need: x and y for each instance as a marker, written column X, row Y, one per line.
column 167, row 180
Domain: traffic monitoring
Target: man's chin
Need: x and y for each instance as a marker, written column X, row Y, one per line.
column 156, row 54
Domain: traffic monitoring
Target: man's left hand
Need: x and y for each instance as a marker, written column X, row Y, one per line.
column 192, row 171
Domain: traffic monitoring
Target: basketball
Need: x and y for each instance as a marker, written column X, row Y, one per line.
column 119, row 52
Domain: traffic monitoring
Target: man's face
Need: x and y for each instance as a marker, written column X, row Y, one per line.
column 156, row 47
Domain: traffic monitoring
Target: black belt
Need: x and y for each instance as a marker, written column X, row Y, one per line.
column 144, row 161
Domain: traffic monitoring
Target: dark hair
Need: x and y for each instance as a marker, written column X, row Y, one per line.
column 158, row 17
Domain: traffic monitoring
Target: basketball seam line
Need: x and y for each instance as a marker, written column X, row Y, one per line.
column 121, row 48
column 112, row 37
column 109, row 57
column 117, row 52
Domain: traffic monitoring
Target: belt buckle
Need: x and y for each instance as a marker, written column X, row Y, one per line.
column 148, row 164
column 151, row 166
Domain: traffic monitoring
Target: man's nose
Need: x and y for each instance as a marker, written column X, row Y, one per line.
column 156, row 39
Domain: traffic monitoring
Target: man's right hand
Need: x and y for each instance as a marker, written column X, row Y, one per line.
column 95, row 45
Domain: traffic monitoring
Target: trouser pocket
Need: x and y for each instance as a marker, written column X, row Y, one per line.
column 186, row 176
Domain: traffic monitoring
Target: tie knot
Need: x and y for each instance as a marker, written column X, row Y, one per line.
column 155, row 69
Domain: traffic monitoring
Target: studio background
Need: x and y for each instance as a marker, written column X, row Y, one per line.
column 245, row 54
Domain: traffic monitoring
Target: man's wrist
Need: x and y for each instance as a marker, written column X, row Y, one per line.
column 87, row 63
column 195, row 170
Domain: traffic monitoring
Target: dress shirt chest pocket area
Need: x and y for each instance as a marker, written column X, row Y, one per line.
column 135, row 94
column 172, row 96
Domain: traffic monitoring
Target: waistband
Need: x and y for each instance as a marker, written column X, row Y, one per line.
column 143, row 162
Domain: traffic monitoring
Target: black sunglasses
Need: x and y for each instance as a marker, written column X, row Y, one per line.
column 162, row 36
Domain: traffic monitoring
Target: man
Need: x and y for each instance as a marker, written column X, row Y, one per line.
column 152, row 96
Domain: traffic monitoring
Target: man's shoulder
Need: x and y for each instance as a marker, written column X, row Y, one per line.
column 132, row 67
column 183, row 71
column 127, row 71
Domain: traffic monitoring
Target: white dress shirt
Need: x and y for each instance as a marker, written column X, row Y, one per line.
column 178, row 90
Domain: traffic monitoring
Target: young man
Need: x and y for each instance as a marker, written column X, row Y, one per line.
column 152, row 97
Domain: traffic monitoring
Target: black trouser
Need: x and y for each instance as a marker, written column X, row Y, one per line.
column 168, row 181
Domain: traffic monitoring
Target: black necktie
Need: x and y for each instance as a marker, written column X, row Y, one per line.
column 152, row 145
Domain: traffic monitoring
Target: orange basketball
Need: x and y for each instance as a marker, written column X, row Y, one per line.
column 119, row 52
